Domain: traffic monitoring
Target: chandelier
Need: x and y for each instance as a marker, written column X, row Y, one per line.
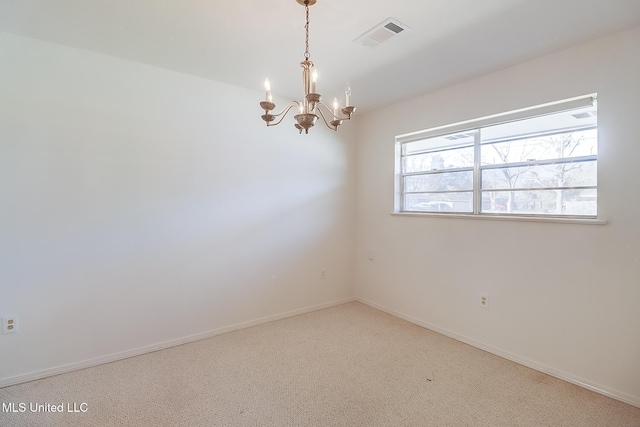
column 311, row 104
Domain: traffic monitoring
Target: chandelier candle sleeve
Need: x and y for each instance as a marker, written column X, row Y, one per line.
column 314, row 80
column 347, row 96
column 267, row 88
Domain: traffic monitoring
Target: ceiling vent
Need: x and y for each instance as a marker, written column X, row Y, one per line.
column 382, row 32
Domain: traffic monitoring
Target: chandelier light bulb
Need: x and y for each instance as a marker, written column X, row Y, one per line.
column 335, row 107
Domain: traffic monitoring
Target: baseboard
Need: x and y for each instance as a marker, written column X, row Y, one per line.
column 614, row 394
column 5, row 382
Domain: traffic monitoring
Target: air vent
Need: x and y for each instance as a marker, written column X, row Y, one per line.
column 393, row 27
column 382, row 32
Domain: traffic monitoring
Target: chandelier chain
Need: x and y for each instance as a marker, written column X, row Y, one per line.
column 307, row 55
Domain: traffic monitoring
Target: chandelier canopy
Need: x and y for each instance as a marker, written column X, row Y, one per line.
column 311, row 105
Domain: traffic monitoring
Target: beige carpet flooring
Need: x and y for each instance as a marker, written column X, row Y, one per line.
column 349, row 365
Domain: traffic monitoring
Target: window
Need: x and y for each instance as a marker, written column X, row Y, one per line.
column 539, row 161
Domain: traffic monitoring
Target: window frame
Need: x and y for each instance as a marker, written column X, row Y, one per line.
column 476, row 126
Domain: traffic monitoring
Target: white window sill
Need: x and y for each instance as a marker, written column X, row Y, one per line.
column 571, row 220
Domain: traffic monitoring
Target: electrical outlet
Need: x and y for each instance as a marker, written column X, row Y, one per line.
column 9, row 325
column 484, row 300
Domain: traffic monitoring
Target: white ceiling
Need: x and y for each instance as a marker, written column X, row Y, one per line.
column 243, row 41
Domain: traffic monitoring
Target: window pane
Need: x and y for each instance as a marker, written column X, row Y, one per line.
column 578, row 174
column 445, row 181
column 441, row 202
column 559, row 146
column 541, row 202
column 543, row 165
column 448, row 159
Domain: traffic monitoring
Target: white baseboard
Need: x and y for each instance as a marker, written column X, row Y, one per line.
column 614, row 394
column 4, row 382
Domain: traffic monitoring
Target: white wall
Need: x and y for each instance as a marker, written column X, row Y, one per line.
column 563, row 297
column 141, row 207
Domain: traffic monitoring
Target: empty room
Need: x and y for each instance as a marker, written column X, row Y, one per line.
column 320, row 213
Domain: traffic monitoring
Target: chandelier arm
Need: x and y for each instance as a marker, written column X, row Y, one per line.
column 284, row 112
column 325, row 120
column 318, row 104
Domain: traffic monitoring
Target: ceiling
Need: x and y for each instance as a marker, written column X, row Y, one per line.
column 242, row 42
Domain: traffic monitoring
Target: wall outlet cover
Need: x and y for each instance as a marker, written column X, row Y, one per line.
column 9, row 324
column 484, row 300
